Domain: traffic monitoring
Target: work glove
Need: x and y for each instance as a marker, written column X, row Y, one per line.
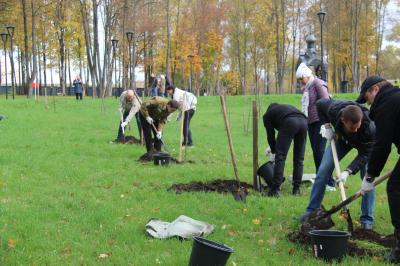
column 367, row 184
column 124, row 124
column 159, row 135
column 343, row 176
column 327, row 132
column 269, row 154
column 149, row 120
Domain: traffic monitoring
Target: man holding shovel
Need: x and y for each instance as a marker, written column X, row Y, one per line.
column 128, row 107
column 187, row 102
column 352, row 128
column 384, row 99
column 291, row 125
column 153, row 116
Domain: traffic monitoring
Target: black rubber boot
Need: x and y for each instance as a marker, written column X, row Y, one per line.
column 296, row 191
column 274, row 192
column 394, row 255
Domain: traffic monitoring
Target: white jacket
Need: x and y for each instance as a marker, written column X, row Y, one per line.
column 124, row 106
column 186, row 100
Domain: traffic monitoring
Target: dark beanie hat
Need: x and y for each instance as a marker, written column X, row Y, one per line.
column 368, row 83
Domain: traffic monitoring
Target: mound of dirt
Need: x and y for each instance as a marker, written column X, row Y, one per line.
column 219, row 185
column 353, row 249
column 128, row 140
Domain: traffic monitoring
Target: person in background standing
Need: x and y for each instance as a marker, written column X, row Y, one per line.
column 78, row 88
column 313, row 90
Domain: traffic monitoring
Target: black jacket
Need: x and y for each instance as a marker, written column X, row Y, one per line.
column 274, row 118
column 330, row 111
column 385, row 111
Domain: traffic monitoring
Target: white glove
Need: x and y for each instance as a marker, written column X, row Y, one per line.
column 367, row 185
column 149, row 120
column 327, row 132
column 123, row 124
column 269, row 154
column 159, row 135
column 343, row 176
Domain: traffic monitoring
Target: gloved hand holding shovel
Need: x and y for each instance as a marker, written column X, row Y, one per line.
column 269, row 154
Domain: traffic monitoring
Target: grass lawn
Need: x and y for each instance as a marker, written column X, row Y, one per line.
column 67, row 195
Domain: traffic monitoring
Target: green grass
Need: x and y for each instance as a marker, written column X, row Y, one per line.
column 67, row 195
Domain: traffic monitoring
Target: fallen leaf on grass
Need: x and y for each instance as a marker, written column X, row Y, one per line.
column 272, row 241
column 291, row 251
column 224, row 226
column 155, row 209
column 104, row 255
column 256, row 221
column 12, row 243
column 233, row 232
column 260, row 241
column 376, row 258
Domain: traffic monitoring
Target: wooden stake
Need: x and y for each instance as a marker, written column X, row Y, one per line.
column 256, row 184
column 228, row 132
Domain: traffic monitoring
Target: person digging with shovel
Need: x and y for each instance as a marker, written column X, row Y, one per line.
column 153, row 116
column 128, row 107
column 349, row 125
column 291, row 124
column 384, row 99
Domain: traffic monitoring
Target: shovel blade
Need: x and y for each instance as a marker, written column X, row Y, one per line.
column 318, row 220
column 240, row 195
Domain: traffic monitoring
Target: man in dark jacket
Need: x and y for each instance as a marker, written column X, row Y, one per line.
column 291, row 125
column 385, row 111
column 352, row 129
column 153, row 116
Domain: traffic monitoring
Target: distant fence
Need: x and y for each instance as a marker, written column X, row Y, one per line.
column 58, row 91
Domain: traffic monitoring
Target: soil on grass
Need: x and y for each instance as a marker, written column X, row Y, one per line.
column 219, row 185
column 148, row 157
column 128, row 140
column 353, row 248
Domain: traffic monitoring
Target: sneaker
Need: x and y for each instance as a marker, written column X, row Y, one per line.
column 366, row 226
column 330, row 189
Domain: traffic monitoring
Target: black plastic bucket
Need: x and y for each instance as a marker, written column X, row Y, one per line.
column 209, row 253
column 266, row 171
column 161, row 158
column 329, row 244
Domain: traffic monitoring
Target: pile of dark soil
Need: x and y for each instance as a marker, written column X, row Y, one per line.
column 128, row 140
column 353, row 249
column 219, row 185
column 148, row 157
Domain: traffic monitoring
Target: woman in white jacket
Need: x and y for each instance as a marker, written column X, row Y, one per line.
column 187, row 102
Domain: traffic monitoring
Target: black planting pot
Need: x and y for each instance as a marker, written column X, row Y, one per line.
column 206, row 252
column 161, row 158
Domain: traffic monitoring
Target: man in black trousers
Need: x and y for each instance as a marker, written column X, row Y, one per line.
column 384, row 99
column 291, row 124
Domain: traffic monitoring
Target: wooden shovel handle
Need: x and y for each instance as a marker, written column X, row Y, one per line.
column 337, row 169
column 353, row 197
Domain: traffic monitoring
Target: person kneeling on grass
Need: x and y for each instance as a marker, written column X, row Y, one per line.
column 153, row 115
column 187, row 105
column 352, row 128
column 291, row 125
column 128, row 107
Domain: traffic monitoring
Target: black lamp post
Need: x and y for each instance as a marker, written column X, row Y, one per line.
column 129, row 36
column 4, row 38
column 114, row 46
column 190, row 57
column 321, row 16
column 10, row 30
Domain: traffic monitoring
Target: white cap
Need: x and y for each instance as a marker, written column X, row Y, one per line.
column 303, row 71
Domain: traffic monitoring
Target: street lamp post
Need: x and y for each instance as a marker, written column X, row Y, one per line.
column 4, row 38
column 190, row 57
column 10, row 30
column 321, row 16
column 129, row 36
column 114, row 46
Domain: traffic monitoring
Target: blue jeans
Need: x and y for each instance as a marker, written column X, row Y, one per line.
column 318, row 146
column 325, row 172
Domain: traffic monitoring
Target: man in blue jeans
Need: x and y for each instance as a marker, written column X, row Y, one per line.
column 353, row 129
